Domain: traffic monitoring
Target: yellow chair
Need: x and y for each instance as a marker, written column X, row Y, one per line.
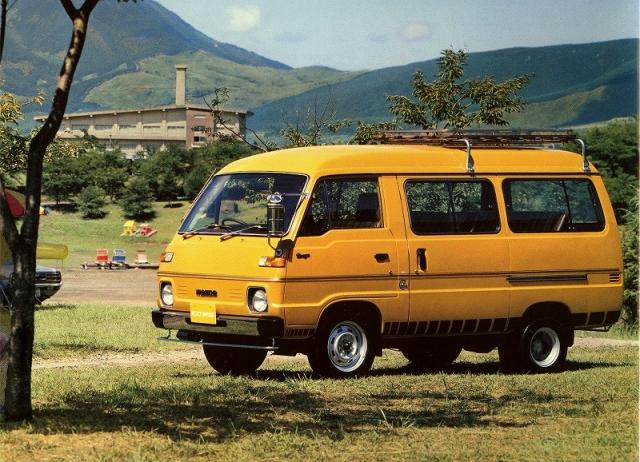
column 128, row 229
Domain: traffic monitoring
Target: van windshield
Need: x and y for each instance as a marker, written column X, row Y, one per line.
column 238, row 202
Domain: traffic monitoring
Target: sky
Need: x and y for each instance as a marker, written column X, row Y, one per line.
column 371, row 34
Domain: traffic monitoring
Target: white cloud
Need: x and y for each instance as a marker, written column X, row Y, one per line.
column 415, row 31
column 242, row 19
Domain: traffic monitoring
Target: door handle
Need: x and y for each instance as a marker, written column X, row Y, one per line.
column 381, row 257
column 422, row 259
column 303, row 256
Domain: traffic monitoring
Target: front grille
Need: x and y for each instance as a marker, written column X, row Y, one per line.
column 52, row 277
column 182, row 290
column 614, row 278
column 236, row 294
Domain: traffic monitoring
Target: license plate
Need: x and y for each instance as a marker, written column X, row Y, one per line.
column 203, row 313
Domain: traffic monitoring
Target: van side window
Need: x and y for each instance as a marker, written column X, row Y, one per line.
column 452, row 207
column 342, row 203
column 548, row 206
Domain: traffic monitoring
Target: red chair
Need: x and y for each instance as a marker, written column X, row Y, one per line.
column 145, row 230
column 102, row 256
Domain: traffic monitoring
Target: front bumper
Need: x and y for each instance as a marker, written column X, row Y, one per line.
column 44, row 291
column 227, row 326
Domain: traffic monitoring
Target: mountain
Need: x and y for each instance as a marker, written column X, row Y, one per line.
column 571, row 85
column 132, row 48
column 129, row 58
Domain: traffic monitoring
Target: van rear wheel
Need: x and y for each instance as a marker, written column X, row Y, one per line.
column 343, row 347
column 540, row 347
column 431, row 358
column 234, row 361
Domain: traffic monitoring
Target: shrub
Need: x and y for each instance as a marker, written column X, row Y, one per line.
column 211, row 157
column 92, row 202
column 136, row 200
column 630, row 255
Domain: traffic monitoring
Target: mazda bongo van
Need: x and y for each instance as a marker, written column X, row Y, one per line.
column 430, row 243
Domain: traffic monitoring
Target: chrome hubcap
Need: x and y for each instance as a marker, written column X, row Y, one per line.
column 544, row 348
column 347, row 346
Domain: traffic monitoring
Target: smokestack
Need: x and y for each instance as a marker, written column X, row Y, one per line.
column 181, row 84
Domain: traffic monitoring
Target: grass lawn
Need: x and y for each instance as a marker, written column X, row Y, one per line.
column 179, row 411
column 83, row 236
column 175, row 411
column 75, row 331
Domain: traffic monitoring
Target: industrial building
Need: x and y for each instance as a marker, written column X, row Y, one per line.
column 134, row 130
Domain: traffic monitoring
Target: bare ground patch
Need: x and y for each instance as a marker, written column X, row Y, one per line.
column 127, row 286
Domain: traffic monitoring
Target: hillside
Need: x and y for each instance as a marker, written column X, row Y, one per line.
column 152, row 83
column 129, row 57
column 572, row 84
column 132, row 49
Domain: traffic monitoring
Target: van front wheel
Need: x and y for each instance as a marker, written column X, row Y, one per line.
column 343, row 348
column 234, row 361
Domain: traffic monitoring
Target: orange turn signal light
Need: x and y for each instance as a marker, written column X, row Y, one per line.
column 272, row 262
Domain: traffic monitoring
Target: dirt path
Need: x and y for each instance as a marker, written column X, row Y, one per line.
column 133, row 359
column 131, row 286
column 195, row 354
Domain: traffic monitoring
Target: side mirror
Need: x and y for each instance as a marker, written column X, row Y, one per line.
column 275, row 214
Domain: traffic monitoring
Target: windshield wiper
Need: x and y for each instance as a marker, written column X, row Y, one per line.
column 193, row 232
column 230, row 234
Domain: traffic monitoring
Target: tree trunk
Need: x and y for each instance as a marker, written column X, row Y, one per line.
column 18, row 389
column 23, row 246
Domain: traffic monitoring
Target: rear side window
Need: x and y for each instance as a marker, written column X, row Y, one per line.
column 549, row 206
column 343, row 203
column 452, row 207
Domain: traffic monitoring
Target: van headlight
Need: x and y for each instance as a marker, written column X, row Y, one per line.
column 258, row 301
column 166, row 293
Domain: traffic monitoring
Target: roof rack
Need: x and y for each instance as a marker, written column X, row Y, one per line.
column 481, row 138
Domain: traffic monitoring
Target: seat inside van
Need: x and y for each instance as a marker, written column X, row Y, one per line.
column 539, row 222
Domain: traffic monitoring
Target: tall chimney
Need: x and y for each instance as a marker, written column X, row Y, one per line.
column 181, row 84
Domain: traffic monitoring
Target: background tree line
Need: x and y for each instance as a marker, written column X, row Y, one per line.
column 93, row 175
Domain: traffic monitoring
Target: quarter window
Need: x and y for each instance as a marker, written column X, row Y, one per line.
column 343, row 203
column 452, row 207
column 548, row 206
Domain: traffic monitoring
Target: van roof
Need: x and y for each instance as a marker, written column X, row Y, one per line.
column 409, row 159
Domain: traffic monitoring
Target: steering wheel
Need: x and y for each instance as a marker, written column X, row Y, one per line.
column 234, row 220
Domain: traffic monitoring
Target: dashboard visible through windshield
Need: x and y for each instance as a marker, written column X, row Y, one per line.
column 237, row 202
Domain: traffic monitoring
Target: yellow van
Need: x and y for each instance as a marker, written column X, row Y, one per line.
column 430, row 243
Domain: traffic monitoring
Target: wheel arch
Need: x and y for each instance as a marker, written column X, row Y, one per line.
column 551, row 310
column 360, row 308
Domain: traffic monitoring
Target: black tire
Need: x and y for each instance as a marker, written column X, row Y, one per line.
column 431, row 357
column 234, row 361
column 343, row 347
column 540, row 347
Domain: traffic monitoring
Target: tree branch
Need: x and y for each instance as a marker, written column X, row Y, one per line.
column 71, row 10
column 221, row 96
column 3, row 26
column 88, row 7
